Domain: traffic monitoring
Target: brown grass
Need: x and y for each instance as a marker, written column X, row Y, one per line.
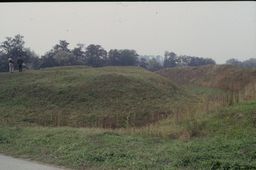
column 240, row 82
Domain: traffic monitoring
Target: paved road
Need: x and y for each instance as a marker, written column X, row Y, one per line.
column 10, row 163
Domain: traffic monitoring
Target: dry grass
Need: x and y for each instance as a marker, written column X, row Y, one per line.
column 240, row 82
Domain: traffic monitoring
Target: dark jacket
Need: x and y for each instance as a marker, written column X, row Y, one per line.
column 19, row 61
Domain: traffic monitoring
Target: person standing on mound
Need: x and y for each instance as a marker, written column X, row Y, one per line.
column 11, row 65
column 20, row 62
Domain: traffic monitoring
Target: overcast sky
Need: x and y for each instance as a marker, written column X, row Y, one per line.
column 219, row 30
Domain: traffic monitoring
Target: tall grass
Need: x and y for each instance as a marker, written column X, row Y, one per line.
column 220, row 142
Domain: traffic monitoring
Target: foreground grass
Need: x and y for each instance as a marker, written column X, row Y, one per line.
column 81, row 149
column 229, row 142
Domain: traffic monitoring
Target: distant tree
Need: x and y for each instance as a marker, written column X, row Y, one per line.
column 208, row 61
column 79, row 54
column 146, row 57
column 124, row 57
column 250, row 63
column 62, row 46
column 154, row 65
column 159, row 59
column 143, row 62
column 47, row 60
column 3, row 62
column 14, row 48
column 183, row 60
column 234, row 61
column 198, row 61
column 129, row 57
column 15, row 44
column 60, row 55
column 114, row 57
column 32, row 59
column 64, row 58
column 96, row 56
column 170, row 59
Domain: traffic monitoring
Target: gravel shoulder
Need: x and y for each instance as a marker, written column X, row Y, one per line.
column 10, row 163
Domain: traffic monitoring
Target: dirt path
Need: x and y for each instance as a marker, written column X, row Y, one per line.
column 10, row 163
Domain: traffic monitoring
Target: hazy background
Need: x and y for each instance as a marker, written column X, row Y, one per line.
column 220, row 30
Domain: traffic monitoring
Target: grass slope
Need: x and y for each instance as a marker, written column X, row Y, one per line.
column 229, row 143
column 224, row 77
column 106, row 97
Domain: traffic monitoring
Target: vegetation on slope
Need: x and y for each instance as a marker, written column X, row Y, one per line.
column 229, row 144
column 106, row 97
column 176, row 132
column 240, row 81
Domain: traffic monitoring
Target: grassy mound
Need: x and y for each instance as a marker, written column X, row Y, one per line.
column 230, row 78
column 106, row 97
column 189, row 138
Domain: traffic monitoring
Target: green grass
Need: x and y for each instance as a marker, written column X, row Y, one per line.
column 156, row 125
column 206, row 91
column 86, row 97
column 229, row 143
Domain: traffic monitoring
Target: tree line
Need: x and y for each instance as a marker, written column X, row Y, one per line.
column 250, row 63
column 92, row 55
